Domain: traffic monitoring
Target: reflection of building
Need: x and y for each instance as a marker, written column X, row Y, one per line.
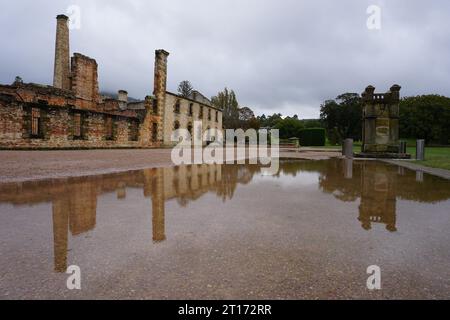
column 74, row 200
column 75, row 212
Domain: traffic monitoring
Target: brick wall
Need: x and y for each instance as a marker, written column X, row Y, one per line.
column 10, row 122
column 58, row 129
column 85, row 78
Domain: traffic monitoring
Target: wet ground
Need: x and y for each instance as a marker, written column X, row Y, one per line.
column 227, row 231
column 19, row 166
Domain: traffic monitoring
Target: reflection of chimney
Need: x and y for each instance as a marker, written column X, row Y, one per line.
column 121, row 191
column 160, row 81
column 60, row 234
column 158, row 214
column 61, row 76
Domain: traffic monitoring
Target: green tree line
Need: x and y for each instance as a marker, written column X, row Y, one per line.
column 421, row 117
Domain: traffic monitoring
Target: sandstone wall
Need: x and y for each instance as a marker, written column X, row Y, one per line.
column 185, row 119
column 58, row 129
column 85, row 78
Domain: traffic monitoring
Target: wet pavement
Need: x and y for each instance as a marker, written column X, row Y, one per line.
column 228, row 232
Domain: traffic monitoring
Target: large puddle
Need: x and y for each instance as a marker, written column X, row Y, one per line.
column 227, row 231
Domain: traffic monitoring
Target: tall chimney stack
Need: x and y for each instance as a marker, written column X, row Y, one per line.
column 160, row 82
column 122, row 96
column 61, row 76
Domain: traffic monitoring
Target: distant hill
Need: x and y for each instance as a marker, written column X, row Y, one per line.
column 113, row 95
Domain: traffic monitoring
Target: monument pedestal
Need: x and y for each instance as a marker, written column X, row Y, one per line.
column 382, row 155
column 381, row 124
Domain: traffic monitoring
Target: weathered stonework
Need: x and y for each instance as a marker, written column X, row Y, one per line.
column 381, row 122
column 85, row 78
column 61, row 77
column 72, row 114
column 189, row 111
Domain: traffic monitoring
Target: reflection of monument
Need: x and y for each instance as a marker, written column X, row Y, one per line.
column 378, row 186
column 381, row 124
column 74, row 200
column 378, row 198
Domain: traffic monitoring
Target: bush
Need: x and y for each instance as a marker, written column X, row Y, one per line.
column 313, row 137
column 289, row 128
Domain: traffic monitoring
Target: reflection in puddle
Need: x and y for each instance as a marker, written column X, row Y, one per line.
column 375, row 186
column 74, row 200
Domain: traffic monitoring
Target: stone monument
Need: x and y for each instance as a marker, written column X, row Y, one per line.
column 381, row 124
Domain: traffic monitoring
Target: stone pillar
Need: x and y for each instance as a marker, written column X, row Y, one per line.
column 348, row 148
column 61, row 76
column 160, row 85
column 420, row 150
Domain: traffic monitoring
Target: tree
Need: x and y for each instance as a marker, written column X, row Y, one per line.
column 253, row 123
column 312, row 123
column 270, row 121
column 185, row 88
column 262, row 120
column 247, row 119
column 18, row 80
column 289, row 128
column 245, row 114
column 425, row 117
column 226, row 100
column 342, row 117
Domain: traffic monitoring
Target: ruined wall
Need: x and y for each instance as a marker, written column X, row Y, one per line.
column 57, row 109
column 185, row 118
column 11, row 117
column 75, row 92
column 58, row 129
column 85, row 78
column 150, row 129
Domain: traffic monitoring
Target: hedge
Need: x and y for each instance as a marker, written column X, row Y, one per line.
column 312, row 137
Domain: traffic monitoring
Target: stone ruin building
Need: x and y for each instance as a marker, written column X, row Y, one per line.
column 73, row 114
column 381, row 123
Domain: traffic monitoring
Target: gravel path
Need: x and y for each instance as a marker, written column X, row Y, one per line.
column 18, row 166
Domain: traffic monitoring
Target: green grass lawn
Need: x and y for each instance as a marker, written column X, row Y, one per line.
column 435, row 157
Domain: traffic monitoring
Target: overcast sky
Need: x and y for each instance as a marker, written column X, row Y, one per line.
column 279, row 56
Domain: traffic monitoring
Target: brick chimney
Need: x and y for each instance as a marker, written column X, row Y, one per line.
column 61, row 76
column 160, row 82
column 122, row 96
